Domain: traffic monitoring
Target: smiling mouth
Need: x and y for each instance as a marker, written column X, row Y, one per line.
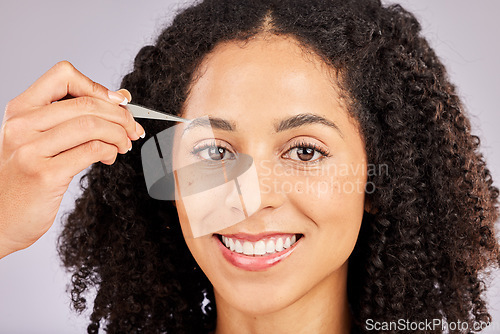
column 260, row 248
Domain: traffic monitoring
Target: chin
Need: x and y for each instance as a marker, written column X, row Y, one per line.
column 257, row 301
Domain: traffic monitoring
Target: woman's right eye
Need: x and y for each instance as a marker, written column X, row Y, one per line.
column 212, row 152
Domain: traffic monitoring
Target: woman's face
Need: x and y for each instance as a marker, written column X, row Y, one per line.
column 310, row 161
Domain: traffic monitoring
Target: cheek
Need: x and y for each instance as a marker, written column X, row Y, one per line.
column 183, row 219
column 197, row 245
column 335, row 204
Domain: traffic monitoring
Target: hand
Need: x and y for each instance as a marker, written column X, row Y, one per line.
column 43, row 145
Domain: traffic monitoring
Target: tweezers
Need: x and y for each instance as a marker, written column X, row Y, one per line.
column 142, row 112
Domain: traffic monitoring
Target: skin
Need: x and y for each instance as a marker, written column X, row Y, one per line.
column 253, row 87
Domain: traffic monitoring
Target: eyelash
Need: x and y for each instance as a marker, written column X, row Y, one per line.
column 204, row 146
column 303, row 144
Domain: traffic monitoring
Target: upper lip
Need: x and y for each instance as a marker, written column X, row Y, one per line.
column 256, row 237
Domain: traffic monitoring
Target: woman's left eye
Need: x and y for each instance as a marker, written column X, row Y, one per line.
column 306, row 153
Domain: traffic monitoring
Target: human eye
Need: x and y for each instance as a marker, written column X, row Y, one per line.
column 212, row 151
column 306, row 152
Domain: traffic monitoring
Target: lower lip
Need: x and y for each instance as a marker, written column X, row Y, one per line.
column 255, row 263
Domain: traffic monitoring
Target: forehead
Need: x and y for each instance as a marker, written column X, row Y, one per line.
column 264, row 74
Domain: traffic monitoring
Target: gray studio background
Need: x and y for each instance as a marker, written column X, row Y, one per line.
column 101, row 39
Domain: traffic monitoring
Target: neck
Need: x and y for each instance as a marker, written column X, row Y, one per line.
column 323, row 309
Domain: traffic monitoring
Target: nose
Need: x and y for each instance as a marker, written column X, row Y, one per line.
column 243, row 193
column 257, row 188
column 270, row 182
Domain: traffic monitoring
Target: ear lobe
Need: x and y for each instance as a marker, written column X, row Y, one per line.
column 368, row 206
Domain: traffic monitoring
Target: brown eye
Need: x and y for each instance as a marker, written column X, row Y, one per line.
column 213, row 152
column 305, row 153
column 216, row 153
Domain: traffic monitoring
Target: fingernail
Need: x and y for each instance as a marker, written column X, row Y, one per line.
column 117, row 97
column 130, row 143
column 140, row 129
column 124, row 102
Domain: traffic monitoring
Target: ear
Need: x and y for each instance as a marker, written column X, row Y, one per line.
column 368, row 206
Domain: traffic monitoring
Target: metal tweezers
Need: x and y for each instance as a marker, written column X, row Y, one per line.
column 142, row 112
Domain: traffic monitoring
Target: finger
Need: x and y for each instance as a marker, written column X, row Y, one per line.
column 73, row 161
column 126, row 94
column 50, row 116
column 139, row 129
column 63, row 79
column 79, row 130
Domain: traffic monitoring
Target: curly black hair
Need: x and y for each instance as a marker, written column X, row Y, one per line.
column 425, row 250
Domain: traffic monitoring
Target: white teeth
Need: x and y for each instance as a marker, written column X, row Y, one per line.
column 287, row 243
column 279, row 245
column 247, row 248
column 260, row 247
column 237, row 247
column 270, row 247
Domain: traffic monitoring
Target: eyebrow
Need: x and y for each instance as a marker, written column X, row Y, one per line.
column 304, row 119
column 285, row 124
column 210, row 122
